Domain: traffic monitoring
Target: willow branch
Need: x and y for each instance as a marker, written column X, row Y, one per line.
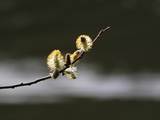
column 100, row 33
column 48, row 76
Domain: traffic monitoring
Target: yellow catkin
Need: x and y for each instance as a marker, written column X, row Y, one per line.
column 55, row 60
column 84, row 42
column 75, row 55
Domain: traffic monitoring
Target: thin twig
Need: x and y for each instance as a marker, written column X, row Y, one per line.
column 48, row 77
column 100, row 33
column 26, row 84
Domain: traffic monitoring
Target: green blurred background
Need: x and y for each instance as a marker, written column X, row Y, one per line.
column 31, row 29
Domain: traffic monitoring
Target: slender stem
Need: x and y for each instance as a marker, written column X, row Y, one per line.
column 48, row 76
column 27, row 83
column 100, row 33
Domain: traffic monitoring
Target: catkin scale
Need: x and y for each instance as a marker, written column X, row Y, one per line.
column 67, row 59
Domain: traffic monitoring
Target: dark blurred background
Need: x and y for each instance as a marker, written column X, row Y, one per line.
column 126, row 58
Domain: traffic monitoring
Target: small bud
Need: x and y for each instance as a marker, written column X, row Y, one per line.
column 55, row 62
column 54, row 74
column 84, row 42
column 71, row 72
column 67, row 59
column 75, row 55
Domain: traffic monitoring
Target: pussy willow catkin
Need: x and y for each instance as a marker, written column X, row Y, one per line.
column 57, row 62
